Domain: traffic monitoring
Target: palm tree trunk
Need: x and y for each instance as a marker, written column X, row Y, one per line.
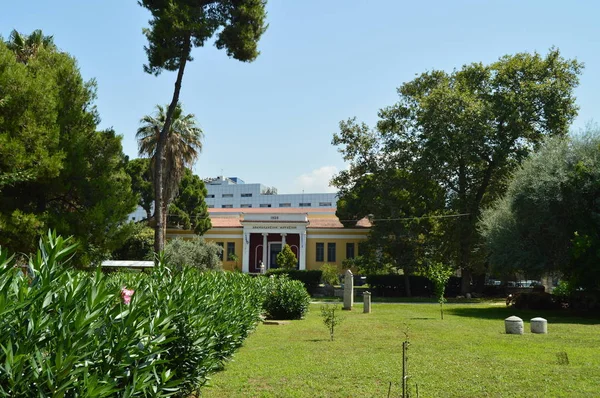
column 159, row 204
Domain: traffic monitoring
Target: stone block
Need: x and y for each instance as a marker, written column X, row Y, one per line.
column 539, row 325
column 513, row 325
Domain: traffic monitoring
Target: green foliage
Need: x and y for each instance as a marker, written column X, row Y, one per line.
column 563, row 289
column 190, row 202
column 71, row 333
column 141, row 183
column 446, row 148
column 550, row 217
column 310, row 278
column 188, row 209
column 285, row 298
column 286, row 258
column 56, row 169
column 178, row 25
column 196, row 253
column 439, row 274
column 331, row 317
column 138, row 246
column 368, row 265
column 331, row 274
column 536, row 301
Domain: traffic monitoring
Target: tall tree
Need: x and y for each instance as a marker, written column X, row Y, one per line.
column 177, row 26
column 467, row 130
column 56, row 170
column 549, row 219
column 184, row 143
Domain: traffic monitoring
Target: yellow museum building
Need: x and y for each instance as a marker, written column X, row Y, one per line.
column 252, row 237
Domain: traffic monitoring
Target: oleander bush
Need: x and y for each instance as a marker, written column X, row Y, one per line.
column 73, row 333
column 285, row 298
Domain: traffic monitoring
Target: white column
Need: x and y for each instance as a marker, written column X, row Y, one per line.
column 264, row 259
column 283, row 240
column 302, row 253
column 246, row 253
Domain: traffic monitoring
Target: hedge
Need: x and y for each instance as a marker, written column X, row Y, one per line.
column 73, row 333
column 310, row 278
column 393, row 285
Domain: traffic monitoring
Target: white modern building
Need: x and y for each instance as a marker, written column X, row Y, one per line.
column 234, row 193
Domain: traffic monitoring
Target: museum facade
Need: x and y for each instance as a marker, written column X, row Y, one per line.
column 252, row 237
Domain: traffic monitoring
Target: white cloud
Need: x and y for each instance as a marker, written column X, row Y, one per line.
column 317, row 181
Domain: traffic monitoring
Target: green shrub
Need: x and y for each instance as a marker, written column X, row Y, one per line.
column 71, row 333
column 195, row 252
column 286, row 258
column 330, row 274
column 536, row 301
column 563, row 290
column 285, row 298
column 138, row 246
column 331, row 318
column 310, row 278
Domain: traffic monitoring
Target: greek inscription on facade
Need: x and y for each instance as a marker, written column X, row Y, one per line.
column 273, row 227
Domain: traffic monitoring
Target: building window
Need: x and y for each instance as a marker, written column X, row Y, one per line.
column 285, row 205
column 221, row 245
column 349, row 250
column 227, row 195
column 210, row 196
column 246, row 195
column 325, row 204
column 320, row 251
column 211, row 206
column 246, row 205
column 227, row 206
column 265, row 205
column 230, row 250
column 305, row 204
column 331, row 252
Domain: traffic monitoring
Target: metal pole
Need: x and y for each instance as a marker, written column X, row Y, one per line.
column 404, row 370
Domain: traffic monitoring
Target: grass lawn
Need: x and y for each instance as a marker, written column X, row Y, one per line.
column 465, row 355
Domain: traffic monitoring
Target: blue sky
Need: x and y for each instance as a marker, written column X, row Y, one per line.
column 272, row 121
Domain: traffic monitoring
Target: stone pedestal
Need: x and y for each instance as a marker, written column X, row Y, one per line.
column 367, row 302
column 539, row 325
column 348, row 290
column 513, row 325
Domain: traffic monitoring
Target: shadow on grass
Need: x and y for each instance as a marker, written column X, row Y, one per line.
column 422, row 319
column 502, row 313
column 318, row 340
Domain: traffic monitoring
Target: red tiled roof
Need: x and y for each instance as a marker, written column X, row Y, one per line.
column 262, row 210
column 316, row 223
column 225, row 222
column 335, row 223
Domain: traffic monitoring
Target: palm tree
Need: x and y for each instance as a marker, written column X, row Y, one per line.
column 184, row 144
column 27, row 46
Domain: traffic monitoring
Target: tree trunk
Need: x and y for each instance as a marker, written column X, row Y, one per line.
column 159, row 204
column 465, row 281
column 407, row 285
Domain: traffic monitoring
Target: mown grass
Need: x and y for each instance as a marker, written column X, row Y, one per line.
column 465, row 355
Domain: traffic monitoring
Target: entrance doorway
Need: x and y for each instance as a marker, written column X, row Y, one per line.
column 274, row 249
